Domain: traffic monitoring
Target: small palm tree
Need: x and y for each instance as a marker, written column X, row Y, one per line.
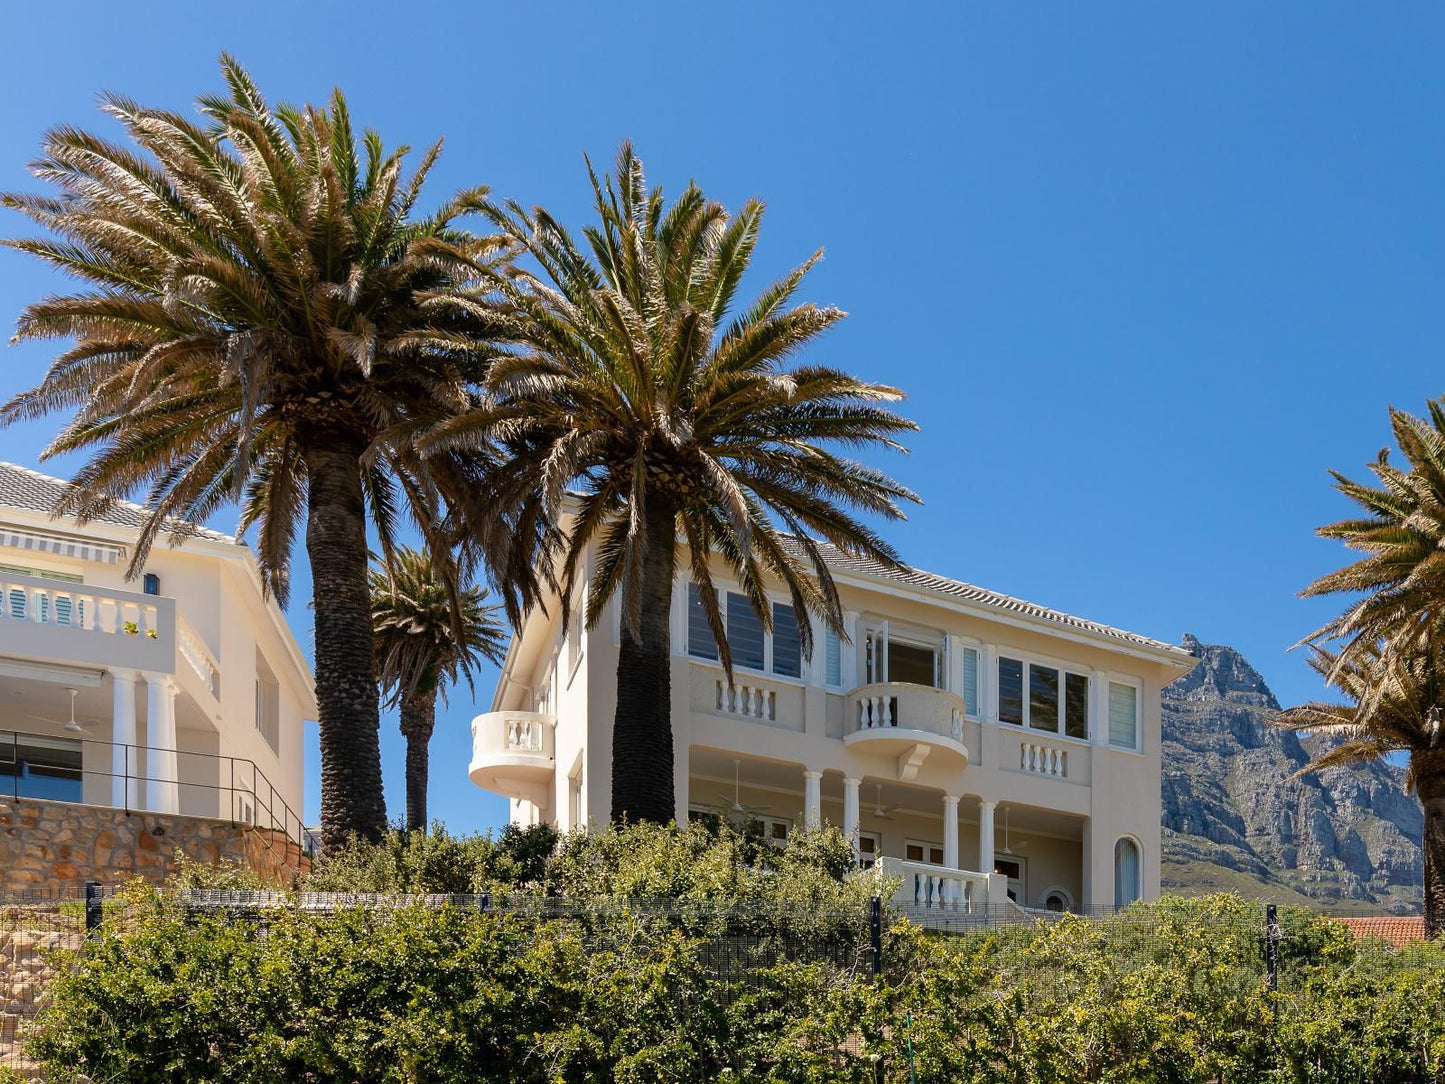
column 426, row 638
column 266, row 318
column 635, row 390
column 1396, row 698
column 1400, row 582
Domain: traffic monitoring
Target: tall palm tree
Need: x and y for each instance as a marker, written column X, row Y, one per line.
column 636, row 389
column 265, row 317
column 1396, row 697
column 425, row 638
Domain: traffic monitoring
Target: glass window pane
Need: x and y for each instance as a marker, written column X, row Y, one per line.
column 1123, row 715
column 745, row 633
column 970, row 680
column 1126, row 873
column 41, row 768
column 787, row 653
column 700, row 641
column 832, row 658
column 1010, row 691
column 1044, row 698
column 1076, row 706
column 911, row 663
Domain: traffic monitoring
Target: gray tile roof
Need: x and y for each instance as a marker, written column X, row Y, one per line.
column 21, row 487
column 841, row 562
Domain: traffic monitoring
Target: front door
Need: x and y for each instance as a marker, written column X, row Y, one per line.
column 1013, row 869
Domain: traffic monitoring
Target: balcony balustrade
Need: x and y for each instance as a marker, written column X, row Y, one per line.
column 909, row 720
column 81, row 623
column 513, row 753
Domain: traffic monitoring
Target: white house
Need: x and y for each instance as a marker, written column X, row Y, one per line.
column 181, row 692
column 955, row 732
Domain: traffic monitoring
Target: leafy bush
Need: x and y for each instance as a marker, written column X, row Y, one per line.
column 436, row 862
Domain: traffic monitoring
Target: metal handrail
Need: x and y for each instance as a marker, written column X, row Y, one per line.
column 268, row 810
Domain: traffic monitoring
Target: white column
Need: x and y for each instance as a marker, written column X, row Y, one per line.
column 124, row 761
column 850, row 812
column 812, row 799
column 950, row 831
column 162, row 789
column 985, row 836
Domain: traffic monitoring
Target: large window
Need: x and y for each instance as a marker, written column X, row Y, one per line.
column 779, row 653
column 268, row 704
column 891, row 659
column 1057, row 701
column 43, row 768
column 1123, row 715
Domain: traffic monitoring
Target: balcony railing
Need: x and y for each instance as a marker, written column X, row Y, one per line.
column 936, row 888
column 513, row 752
column 901, row 706
column 87, row 623
column 194, row 650
column 114, row 775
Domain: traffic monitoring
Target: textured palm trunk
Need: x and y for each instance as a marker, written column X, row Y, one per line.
column 346, row 693
column 1430, row 785
column 642, row 730
column 418, row 718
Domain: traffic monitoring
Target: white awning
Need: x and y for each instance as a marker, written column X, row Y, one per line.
column 103, row 553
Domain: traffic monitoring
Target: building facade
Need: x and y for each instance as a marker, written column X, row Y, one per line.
column 975, row 743
column 182, row 692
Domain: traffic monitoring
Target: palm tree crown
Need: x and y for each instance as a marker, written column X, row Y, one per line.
column 422, row 643
column 640, row 393
column 266, row 317
column 1401, row 580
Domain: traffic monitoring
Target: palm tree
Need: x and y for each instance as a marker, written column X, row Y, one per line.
column 635, row 390
column 1400, row 583
column 425, row 639
column 1396, row 698
column 265, row 318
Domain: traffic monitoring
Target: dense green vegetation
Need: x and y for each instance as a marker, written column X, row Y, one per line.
column 1168, row 992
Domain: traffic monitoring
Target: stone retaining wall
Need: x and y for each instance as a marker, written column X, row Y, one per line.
column 52, row 848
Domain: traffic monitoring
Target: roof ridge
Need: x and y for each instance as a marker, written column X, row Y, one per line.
column 947, row 585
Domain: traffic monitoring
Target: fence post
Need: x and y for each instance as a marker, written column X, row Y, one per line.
column 93, row 910
column 1271, row 944
column 875, row 923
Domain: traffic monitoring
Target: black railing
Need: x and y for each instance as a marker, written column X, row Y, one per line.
column 115, row 775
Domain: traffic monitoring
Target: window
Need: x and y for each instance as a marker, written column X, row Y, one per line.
column 870, row 846
column 899, row 660
column 268, row 704
column 1126, row 872
column 1058, row 701
column 574, row 630
column 1010, row 691
column 970, row 680
column 1013, row 869
column 917, row 851
column 787, row 650
column 43, row 768
column 700, row 640
column 750, row 645
column 574, row 797
column 1123, row 716
column 832, row 658
column 1056, row 899
column 745, row 633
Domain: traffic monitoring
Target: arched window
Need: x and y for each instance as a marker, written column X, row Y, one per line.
column 1056, row 899
column 1126, row 872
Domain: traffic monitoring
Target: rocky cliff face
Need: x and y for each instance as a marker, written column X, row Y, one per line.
column 1233, row 818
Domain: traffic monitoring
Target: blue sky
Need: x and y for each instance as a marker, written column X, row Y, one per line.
column 1146, row 271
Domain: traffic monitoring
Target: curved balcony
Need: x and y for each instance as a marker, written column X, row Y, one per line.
column 513, row 753
column 910, row 722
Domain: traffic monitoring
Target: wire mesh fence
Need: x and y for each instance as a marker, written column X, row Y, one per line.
column 1048, row 957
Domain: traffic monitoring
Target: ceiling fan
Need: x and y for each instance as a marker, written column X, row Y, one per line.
column 880, row 811
column 69, row 724
column 735, row 803
column 1006, row 849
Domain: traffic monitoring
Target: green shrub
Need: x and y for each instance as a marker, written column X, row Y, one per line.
column 436, row 862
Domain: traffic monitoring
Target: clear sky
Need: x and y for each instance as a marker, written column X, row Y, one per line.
column 1145, row 270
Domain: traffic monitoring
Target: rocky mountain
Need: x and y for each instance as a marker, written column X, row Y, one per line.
column 1233, row 818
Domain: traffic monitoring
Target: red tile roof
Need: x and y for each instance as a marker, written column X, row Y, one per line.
column 1397, row 929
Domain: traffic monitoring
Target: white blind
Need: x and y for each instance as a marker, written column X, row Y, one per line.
column 1123, row 715
column 970, row 680
column 832, row 658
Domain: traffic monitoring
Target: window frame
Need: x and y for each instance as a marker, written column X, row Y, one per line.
column 1064, row 669
column 724, row 590
column 1138, row 686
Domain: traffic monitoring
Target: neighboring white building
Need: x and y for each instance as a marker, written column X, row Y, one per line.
column 956, row 729
column 189, row 690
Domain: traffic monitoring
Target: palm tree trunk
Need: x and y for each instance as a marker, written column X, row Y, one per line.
column 1430, row 786
column 642, row 730
column 418, row 717
column 346, row 694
